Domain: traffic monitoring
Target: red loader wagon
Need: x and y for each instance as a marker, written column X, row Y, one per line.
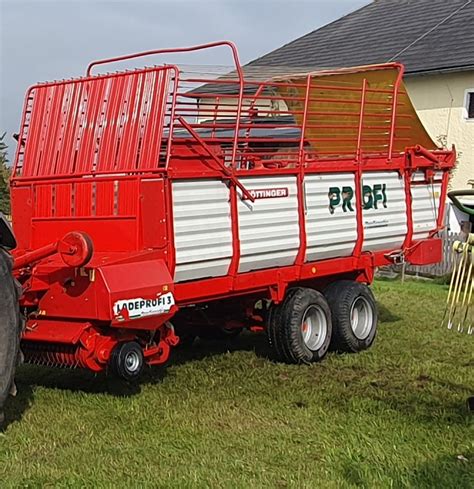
column 164, row 202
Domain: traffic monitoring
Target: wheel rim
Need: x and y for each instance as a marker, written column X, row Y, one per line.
column 132, row 362
column 361, row 318
column 314, row 327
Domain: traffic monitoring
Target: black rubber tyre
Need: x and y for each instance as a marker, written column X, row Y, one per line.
column 127, row 360
column 299, row 329
column 354, row 315
column 10, row 327
column 273, row 329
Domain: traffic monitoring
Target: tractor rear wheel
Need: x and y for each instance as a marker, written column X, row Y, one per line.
column 299, row 330
column 10, row 327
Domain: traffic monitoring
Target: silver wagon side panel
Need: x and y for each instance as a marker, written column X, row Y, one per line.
column 425, row 205
column 202, row 229
column 331, row 230
column 269, row 227
column 384, row 215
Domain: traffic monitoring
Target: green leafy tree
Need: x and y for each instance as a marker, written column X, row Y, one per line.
column 4, row 177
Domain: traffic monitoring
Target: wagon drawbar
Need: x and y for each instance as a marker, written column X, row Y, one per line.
column 164, row 203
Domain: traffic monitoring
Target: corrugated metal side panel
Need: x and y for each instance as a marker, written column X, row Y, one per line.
column 268, row 227
column 202, row 229
column 425, row 206
column 330, row 231
column 385, row 223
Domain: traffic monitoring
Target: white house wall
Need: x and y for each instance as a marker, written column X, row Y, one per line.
column 439, row 102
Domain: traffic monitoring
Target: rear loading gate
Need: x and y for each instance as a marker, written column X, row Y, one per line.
column 217, row 204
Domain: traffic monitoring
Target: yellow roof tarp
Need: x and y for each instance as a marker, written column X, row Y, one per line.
column 334, row 110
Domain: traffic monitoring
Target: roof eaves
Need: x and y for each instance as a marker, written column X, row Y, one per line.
column 434, row 71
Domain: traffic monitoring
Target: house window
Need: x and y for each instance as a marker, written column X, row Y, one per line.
column 468, row 112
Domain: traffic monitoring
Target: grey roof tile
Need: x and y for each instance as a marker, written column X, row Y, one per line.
column 383, row 29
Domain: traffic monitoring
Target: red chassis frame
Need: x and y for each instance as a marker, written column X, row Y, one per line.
column 69, row 295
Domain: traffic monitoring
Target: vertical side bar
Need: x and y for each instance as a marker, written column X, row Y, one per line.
column 358, row 177
column 147, row 134
column 214, row 119
column 32, row 139
column 245, row 145
column 129, row 153
column 73, row 129
column 106, row 157
column 126, row 140
column 442, row 200
column 394, row 111
column 300, row 257
column 43, row 123
column 100, row 123
column 63, row 164
column 51, row 138
column 123, row 121
column 361, row 119
column 239, row 105
column 170, row 248
column 154, row 123
column 305, row 116
column 145, row 101
column 94, row 94
column 172, row 113
column 27, row 108
column 408, row 201
column 234, row 216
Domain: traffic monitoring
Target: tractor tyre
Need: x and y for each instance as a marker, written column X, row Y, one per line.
column 354, row 313
column 10, row 327
column 300, row 328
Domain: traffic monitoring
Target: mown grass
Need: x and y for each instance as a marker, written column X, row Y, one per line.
column 222, row 415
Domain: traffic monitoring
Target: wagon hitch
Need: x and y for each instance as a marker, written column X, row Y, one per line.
column 75, row 248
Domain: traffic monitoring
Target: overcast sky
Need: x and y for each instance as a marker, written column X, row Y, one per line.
column 50, row 39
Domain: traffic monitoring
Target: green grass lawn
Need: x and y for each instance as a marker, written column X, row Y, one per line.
column 222, row 415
